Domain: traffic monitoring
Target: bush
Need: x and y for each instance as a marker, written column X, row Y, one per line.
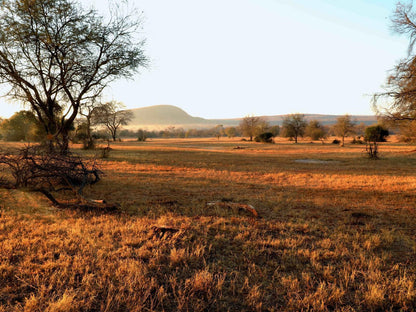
column 266, row 137
column 373, row 135
column 357, row 141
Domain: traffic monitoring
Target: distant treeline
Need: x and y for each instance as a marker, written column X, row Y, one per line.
column 173, row 132
column 23, row 126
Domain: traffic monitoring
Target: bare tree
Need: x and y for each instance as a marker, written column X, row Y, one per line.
column 112, row 117
column 294, row 126
column 344, row 127
column 251, row 126
column 55, row 56
column 89, row 111
column 398, row 103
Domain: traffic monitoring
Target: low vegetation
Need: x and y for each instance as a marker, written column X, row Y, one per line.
column 334, row 232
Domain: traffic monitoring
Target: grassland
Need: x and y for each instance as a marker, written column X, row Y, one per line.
column 333, row 235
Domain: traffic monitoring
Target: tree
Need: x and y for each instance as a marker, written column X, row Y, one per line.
column 88, row 111
column 407, row 129
column 230, row 132
column 344, row 127
column 294, row 126
column 374, row 135
column 315, row 130
column 22, row 126
column 398, row 103
column 56, row 56
column 141, row 135
column 218, row 131
column 112, row 117
column 275, row 130
column 251, row 126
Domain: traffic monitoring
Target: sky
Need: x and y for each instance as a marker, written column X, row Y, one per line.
column 233, row 58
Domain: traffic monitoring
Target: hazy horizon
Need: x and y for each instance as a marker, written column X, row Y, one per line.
column 221, row 59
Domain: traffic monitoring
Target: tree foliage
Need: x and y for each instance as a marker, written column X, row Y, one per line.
column 315, row 130
column 231, row 132
column 55, row 56
column 294, row 126
column 22, row 126
column 265, row 137
column 344, row 127
column 374, row 135
column 251, row 126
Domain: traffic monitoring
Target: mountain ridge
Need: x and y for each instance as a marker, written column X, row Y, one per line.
column 162, row 116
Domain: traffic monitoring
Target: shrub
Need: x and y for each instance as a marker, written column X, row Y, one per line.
column 141, row 135
column 265, row 137
column 357, row 141
column 373, row 135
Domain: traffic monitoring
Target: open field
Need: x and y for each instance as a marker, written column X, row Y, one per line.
column 334, row 234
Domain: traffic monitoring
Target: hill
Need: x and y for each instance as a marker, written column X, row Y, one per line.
column 162, row 116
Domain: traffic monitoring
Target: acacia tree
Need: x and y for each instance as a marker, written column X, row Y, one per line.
column 55, row 56
column 89, row 111
column 251, row 126
column 294, row 126
column 218, row 131
column 112, row 117
column 230, row 132
column 315, row 130
column 344, row 127
column 374, row 135
column 400, row 94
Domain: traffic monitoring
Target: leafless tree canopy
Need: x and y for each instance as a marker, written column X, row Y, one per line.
column 55, row 56
column 400, row 92
column 112, row 116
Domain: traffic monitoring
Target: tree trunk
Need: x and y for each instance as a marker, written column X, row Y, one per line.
column 64, row 146
column 90, row 141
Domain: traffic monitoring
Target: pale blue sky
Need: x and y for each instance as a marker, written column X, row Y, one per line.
column 231, row 58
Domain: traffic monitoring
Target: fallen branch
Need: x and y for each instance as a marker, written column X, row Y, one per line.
column 33, row 169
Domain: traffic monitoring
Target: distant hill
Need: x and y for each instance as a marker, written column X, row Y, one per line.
column 162, row 116
column 325, row 119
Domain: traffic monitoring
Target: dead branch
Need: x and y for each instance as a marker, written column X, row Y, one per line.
column 36, row 170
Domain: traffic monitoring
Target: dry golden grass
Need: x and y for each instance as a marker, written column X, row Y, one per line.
column 333, row 236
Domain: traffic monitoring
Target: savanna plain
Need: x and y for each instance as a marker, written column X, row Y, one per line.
column 335, row 231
